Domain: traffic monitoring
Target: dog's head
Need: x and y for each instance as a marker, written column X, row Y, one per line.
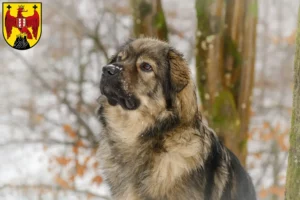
column 145, row 72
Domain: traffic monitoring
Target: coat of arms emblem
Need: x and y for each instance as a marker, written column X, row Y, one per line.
column 21, row 23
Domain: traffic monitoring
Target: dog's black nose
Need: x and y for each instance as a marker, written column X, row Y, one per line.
column 110, row 70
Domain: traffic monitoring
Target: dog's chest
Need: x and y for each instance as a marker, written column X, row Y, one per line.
column 148, row 173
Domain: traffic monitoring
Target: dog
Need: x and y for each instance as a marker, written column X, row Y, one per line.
column 154, row 145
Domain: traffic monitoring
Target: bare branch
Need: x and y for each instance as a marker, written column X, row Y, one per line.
column 41, row 141
column 91, row 134
column 79, row 26
column 54, row 187
column 31, row 67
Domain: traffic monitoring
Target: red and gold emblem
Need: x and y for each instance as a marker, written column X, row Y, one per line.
column 21, row 23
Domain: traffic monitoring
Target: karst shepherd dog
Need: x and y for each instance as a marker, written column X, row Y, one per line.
column 154, row 145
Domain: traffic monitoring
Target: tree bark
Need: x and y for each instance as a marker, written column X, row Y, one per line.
column 149, row 19
column 225, row 55
column 293, row 171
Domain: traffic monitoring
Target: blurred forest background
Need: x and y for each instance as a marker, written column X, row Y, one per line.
column 240, row 53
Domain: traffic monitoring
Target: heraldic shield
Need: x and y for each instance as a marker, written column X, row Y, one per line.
column 22, row 24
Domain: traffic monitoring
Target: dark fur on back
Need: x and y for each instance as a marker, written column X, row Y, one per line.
column 154, row 145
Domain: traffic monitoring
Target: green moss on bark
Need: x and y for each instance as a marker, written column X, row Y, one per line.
column 293, row 173
column 203, row 30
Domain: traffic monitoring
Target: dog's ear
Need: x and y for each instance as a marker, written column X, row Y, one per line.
column 179, row 70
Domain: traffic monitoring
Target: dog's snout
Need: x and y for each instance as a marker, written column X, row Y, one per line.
column 110, row 70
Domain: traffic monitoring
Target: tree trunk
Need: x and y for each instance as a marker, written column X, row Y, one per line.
column 225, row 55
column 293, row 171
column 149, row 19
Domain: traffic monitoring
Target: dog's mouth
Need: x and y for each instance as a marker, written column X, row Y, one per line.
column 126, row 102
column 117, row 96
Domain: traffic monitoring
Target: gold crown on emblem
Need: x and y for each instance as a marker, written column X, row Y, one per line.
column 21, row 6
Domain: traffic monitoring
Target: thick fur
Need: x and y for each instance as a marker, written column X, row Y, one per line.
column 154, row 145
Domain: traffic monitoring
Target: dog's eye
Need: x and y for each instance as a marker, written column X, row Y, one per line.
column 146, row 67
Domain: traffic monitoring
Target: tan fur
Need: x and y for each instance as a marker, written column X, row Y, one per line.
column 129, row 194
column 158, row 166
column 185, row 148
column 181, row 156
column 187, row 110
column 180, row 74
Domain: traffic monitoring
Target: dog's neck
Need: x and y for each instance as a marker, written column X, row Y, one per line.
column 173, row 146
column 151, row 119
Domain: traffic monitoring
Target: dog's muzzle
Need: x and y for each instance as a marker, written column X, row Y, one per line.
column 111, row 87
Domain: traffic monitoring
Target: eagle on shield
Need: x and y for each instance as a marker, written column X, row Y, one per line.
column 22, row 23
